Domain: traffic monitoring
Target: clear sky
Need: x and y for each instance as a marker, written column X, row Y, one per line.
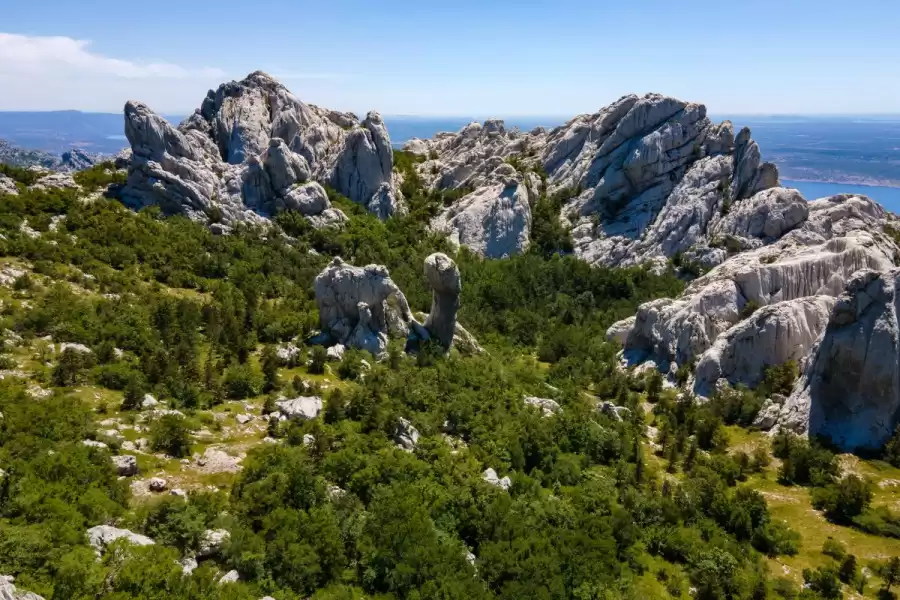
column 462, row 57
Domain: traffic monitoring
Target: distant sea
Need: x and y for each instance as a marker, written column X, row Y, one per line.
column 888, row 197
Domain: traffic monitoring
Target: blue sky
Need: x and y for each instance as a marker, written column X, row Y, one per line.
column 474, row 58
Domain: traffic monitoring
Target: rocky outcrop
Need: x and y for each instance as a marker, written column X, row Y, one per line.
column 494, row 221
column 443, row 277
column 839, row 236
column 406, row 435
column 364, row 168
column 301, row 408
column 74, row 159
column 773, row 335
column 8, row 186
column 850, row 389
column 361, row 306
column 643, row 178
column 102, row 536
column 8, row 591
column 240, row 155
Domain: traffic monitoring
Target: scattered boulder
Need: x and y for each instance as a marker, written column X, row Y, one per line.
column 157, row 484
column 547, row 406
column 301, row 407
column 406, row 436
column 102, row 536
column 94, row 444
column 126, row 465
column 149, row 402
column 214, row 460
column 490, row 476
column 212, row 542
column 230, row 577
column 618, row 413
column 188, row 564
column 243, row 419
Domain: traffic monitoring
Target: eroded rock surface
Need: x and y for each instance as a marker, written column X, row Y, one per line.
column 241, row 154
column 850, row 388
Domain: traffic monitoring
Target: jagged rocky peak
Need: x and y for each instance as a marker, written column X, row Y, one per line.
column 250, row 145
column 643, row 178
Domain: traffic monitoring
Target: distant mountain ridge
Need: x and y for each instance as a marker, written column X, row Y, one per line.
column 74, row 159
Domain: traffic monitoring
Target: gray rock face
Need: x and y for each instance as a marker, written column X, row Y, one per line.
column 364, row 168
column 102, row 536
column 773, row 335
column 840, row 236
column 494, row 220
column 239, row 156
column 443, row 277
column 850, row 389
column 645, row 178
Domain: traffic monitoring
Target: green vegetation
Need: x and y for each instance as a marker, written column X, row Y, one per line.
column 600, row 506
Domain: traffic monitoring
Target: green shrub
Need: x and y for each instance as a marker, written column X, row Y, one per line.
column 242, row 381
column 171, row 434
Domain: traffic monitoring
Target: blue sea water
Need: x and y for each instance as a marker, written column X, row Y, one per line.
column 888, row 197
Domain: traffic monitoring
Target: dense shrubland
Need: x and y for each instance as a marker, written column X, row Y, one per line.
column 595, row 511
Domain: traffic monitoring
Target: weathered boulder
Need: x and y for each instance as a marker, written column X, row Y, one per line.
column 302, row 407
column 490, row 476
column 126, row 465
column 157, row 484
column 102, row 536
column 212, row 542
column 354, row 307
column 406, row 435
column 443, row 277
column 547, row 406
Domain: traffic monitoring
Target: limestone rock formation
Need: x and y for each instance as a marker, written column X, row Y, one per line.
column 239, row 156
column 850, row 388
column 8, row 591
column 643, row 178
column 773, row 335
column 490, row 476
column 125, row 465
column 212, row 542
column 406, row 435
column 841, row 235
column 494, row 220
column 443, row 277
column 361, row 306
